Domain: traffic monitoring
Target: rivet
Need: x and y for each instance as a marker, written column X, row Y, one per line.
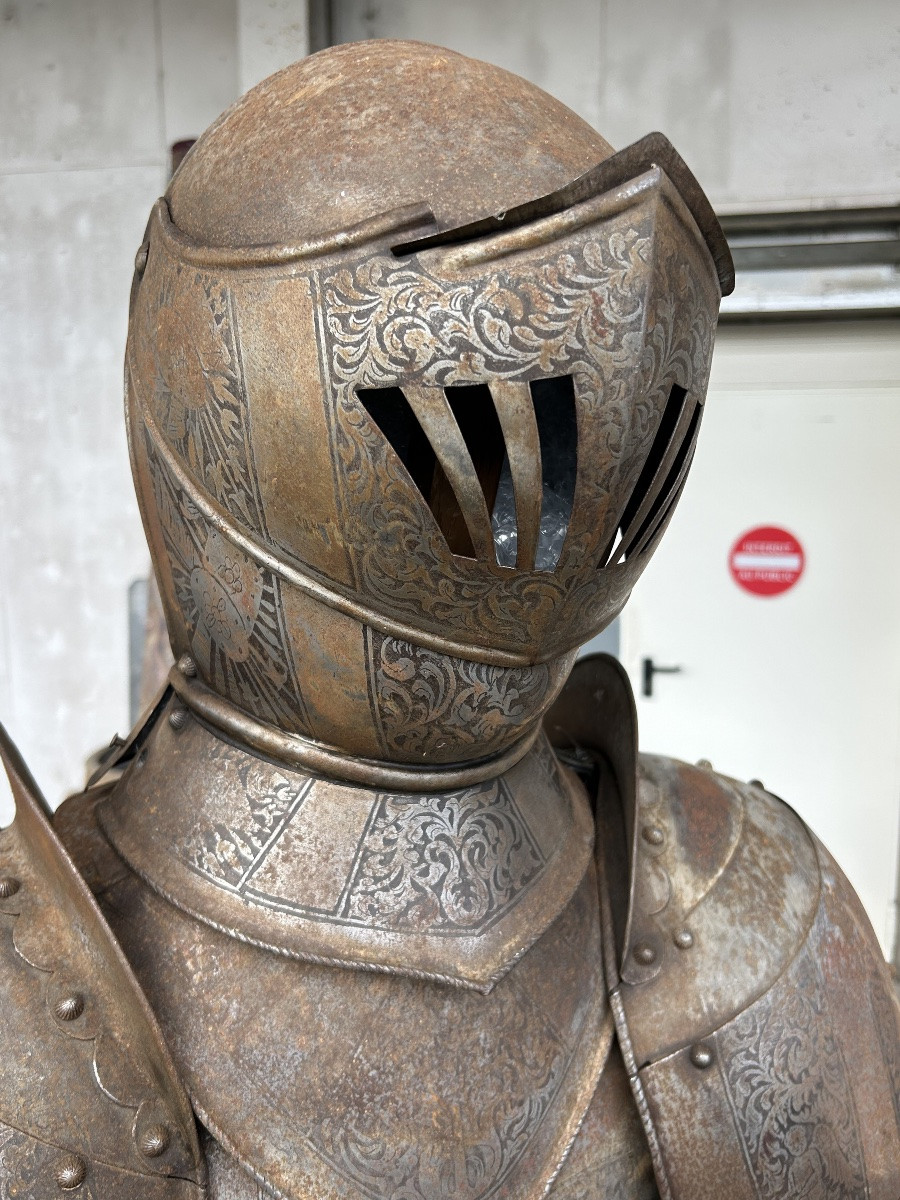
column 178, row 718
column 71, row 1172
column 69, row 1008
column 8, row 887
column 187, row 666
column 684, row 939
column 644, row 954
column 140, row 259
column 141, row 760
column 701, row 1056
column 758, row 783
column 705, row 764
column 154, row 1141
column 653, row 835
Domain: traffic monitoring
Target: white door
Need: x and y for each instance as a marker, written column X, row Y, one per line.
column 801, row 689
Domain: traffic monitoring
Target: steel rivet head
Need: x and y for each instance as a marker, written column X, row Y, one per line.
column 653, row 835
column 140, row 259
column 154, row 1141
column 758, row 783
column 644, row 954
column 8, row 887
column 69, row 1008
column 684, row 939
column 71, row 1172
column 701, row 1056
column 178, row 718
column 187, row 666
column 705, row 764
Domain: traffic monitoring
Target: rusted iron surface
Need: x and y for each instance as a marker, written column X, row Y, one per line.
column 385, row 601
column 415, row 374
column 754, row 1006
column 609, row 1157
column 327, row 1081
column 89, row 1097
column 451, row 884
column 363, row 128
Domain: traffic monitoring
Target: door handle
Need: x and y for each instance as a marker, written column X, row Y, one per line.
column 649, row 669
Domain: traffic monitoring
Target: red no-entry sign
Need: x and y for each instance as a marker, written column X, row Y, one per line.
column 766, row 560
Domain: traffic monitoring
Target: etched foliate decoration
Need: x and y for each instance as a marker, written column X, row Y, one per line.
column 790, row 1095
column 199, row 400
column 444, row 862
column 595, row 312
column 431, row 706
column 232, row 608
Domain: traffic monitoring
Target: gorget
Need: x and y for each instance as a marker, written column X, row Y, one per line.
column 453, row 885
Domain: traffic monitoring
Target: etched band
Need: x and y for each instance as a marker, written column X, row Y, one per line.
column 312, row 587
column 397, row 220
column 292, row 748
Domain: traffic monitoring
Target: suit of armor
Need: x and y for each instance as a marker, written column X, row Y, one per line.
column 378, row 899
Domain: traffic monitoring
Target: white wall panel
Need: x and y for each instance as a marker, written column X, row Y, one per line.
column 773, row 105
column 271, row 35
column 71, row 537
column 78, row 84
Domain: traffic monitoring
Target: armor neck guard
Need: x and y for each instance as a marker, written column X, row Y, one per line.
column 452, row 884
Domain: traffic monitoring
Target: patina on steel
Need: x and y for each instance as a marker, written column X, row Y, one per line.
column 415, row 374
column 90, row 1098
column 754, row 1010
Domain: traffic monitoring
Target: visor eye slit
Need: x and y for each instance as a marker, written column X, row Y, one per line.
column 673, row 436
column 670, row 491
column 516, row 515
column 665, row 494
column 496, row 464
column 557, row 423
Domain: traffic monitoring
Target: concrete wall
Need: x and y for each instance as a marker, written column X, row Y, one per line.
column 774, row 105
column 92, row 94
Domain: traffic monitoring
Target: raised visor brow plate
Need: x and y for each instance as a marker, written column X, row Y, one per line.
column 654, row 150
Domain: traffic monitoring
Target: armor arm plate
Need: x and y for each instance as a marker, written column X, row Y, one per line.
column 754, row 1007
column 89, row 1099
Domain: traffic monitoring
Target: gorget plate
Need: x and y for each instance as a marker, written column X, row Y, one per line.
column 330, row 1083
column 449, row 885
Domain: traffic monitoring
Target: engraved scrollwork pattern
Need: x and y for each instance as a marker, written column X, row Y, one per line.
column 189, row 334
column 590, row 312
column 790, row 1095
column 514, row 1091
column 228, row 851
column 886, row 1012
column 579, row 314
column 232, row 608
column 430, row 705
column 446, row 862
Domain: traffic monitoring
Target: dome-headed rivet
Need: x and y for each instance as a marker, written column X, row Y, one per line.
column 178, row 718
column 653, row 835
column 69, row 1008
column 705, row 764
column 154, row 1141
column 187, row 666
column 758, row 783
column 683, row 939
column 71, row 1172
column 701, row 1056
column 140, row 259
column 8, row 886
column 141, row 761
column 644, row 954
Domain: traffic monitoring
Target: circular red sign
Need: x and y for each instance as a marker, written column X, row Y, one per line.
column 766, row 560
